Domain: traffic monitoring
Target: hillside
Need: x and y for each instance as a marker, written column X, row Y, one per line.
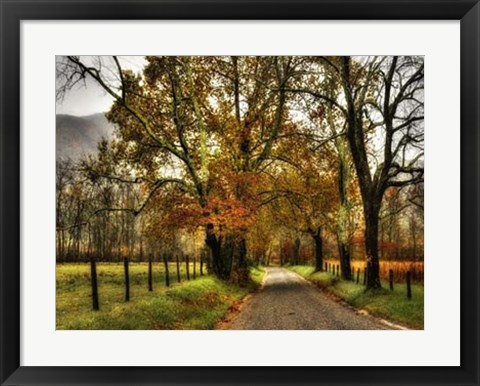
column 77, row 136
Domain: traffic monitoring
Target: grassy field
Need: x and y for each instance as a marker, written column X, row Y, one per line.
column 194, row 304
column 392, row 305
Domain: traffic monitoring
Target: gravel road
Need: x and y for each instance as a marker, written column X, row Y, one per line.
column 288, row 302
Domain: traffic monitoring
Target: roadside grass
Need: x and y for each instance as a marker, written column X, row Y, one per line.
column 195, row 304
column 256, row 275
column 391, row 305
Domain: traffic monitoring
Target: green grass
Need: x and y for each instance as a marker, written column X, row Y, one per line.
column 194, row 304
column 256, row 275
column 391, row 305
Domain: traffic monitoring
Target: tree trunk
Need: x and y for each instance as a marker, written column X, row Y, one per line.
column 62, row 244
column 371, row 211
column 241, row 266
column 317, row 237
column 413, row 227
column 414, row 252
column 93, row 272
column 187, row 267
column 228, row 254
column 344, row 255
column 296, row 251
column 342, row 238
column 371, row 190
column 167, row 273
column 178, row 270
column 219, row 263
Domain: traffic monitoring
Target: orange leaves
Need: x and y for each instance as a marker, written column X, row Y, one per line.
column 230, row 206
column 228, row 215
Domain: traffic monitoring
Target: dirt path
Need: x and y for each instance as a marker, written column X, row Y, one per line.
column 287, row 302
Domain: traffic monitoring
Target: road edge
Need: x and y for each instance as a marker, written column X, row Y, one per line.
column 233, row 313
column 359, row 311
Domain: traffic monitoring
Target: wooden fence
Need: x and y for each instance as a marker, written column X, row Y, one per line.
column 402, row 277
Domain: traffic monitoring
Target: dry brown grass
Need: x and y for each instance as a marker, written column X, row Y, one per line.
column 400, row 269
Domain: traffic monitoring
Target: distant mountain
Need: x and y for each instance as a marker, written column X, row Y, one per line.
column 78, row 136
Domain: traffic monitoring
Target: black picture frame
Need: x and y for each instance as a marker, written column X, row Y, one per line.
column 13, row 12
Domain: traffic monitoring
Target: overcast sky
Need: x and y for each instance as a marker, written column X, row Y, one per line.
column 93, row 99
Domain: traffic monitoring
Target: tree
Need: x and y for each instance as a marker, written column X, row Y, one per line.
column 381, row 98
column 177, row 113
column 317, row 92
column 305, row 194
column 385, row 94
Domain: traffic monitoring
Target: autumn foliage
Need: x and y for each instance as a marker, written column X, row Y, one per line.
column 256, row 159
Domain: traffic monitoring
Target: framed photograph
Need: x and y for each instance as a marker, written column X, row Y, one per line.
column 229, row 192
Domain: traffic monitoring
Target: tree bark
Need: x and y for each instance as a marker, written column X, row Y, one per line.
column 296, row 251
column 371, row 211
column 220, row 261
column 178, row 270
column 342, row 239
column 167, row 273
column 187, row 266
column 317, row 237
column 344, row 255
column 369, row 187
column 241, row 267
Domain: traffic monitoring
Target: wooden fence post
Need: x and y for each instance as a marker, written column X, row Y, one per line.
column 326, row 267
column 194, row 268
column 178, row 270
column 338, row 270
column 127, row 279
column 390, row 278
column 187, row 266
column 167, row 275
column 358, row 275
column 365, row 273
column 201, row 264
column 150, row 274
column 93, row 275
column 409, row 286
